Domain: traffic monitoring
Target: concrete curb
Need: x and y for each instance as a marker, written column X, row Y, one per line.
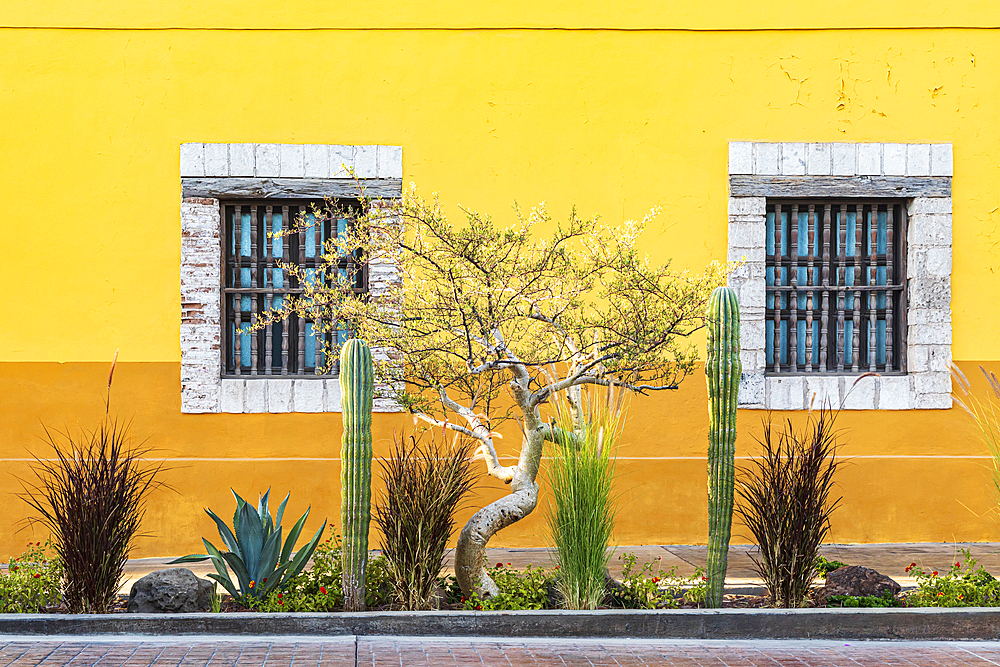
column 856, row 624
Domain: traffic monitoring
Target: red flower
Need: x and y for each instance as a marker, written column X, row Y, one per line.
column 322, row 589
column 463, row 598
column 499, row 565
column 15, row 568
column 704, row 578
column 913, row 564
column 263, row 580
column 655, row 579
column 280, row 596
column 906, row 569
column 508, row 564
column 940, row 594
column 479, row 606
column 934, row 573
column 37, row 575
column 281, row 602
column 958, row 565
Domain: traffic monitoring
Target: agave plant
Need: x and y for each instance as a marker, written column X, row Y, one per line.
column 256, row 555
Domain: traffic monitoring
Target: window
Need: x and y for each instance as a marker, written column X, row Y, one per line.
column 836, row 288
column 254, row 252
column 845, row 269
column 232, row 195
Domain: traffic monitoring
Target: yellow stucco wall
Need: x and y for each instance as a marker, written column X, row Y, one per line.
column 613, row 107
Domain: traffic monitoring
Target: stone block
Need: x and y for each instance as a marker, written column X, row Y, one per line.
column 241, row 160
column 255, row 395
column 918, row 160
column 845, row 159
column 930, row 261
column 859, row 393
column 941, row 160
column 894, row 159
column 748, row 206
column 279, row 395
column 216, row 160
column 869, row 159
column 192, row 159
column 785, row 393
column 930, row 292
column 752, row 294
column 740, row 157
column 341, row 159
column 930, row 229
column 819, row 161
column 751, row 392
column 932, row 401
column 316, row 161
column 747, row 235
column 915, row 316
column 231, row 396
column 366, row 161
column 931, row 383
column 390, row 161
column 822, row 391
column 291, row 161
column 928, row 358
column 267, row 160
column 793, row 159
column 929, row 334
column 308, row 395
column 766, row 159
column 752, row 333
column 894, row 393
column 920, row 205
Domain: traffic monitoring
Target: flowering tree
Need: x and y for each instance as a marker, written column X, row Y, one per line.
column 494, row 321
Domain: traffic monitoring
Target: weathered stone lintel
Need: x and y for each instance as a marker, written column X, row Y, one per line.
column 839, row 186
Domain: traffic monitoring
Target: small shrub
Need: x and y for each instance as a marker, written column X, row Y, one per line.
column 424, row 485
column 319, row 587
column 887, row 599
column 961, row 586
column 91, row 497
column 518, row 590
column 649, row 587
column 581, row 474
column 33, row 581
column 824, row 566
column 784, row 500
column 255, row 552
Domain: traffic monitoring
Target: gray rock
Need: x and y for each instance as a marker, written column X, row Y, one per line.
column 858, row 581
column 170, row 591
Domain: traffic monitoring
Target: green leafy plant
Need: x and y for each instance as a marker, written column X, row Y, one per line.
column 824, row 566
column 255, row 552
column 526, row 589
column 33, row 581
column 785, row 503
column 424, row 484
column 885, row 600
column 965, row 584
column 91, row 496
column 318, row 588
column 722, row 371
column 646, row 586
column 581, row 518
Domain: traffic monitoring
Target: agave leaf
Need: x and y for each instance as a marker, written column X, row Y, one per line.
column 304, row 554
column 227, row 535
column 269, row 556
column 281, row 512
column 240, row 570
column 218, row 561
column 293, row 536
column 190, row 558
column 227, row 584
column 251, row 536
column 264, row 512
column 236, row 515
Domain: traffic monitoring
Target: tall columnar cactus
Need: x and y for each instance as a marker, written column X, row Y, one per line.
column 356, row 391
column 723, row 370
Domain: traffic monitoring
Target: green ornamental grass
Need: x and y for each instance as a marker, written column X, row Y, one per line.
column 581, row 472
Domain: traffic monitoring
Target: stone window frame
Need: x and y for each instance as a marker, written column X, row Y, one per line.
column 210, row 172
column 919, row 173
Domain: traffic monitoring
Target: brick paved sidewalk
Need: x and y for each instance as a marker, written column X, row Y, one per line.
column 484, row 652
